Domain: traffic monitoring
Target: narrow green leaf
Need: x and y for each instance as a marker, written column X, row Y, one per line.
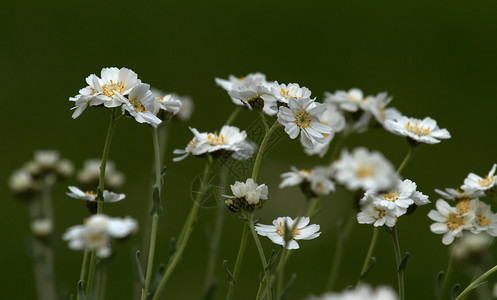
column 287, row 287
column 157, row 204
column 370, row 267
column 139, row 268
column 403, row 263
column 230, row 275
column 81, row 291
column 455, row 291
column 439, row 283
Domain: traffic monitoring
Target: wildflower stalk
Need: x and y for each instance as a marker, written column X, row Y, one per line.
column 155, row 216
column 446, row 275
column 46, row 262
column 398, row 259
column 99, row 198
column 262, row 147
column 475, row 283
column 406, row 159
column 233, row 115
column 84, row 267
column 238, row 263
column 367, row 260
column 185, row 233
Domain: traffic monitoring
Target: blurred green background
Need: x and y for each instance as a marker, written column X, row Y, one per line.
column 436, row 58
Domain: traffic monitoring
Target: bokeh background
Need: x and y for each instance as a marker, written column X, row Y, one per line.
column 436, row 58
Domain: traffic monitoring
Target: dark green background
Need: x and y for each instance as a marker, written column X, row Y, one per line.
column 437, row 58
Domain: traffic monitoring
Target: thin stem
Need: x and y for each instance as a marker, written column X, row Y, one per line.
column 406, row 159
column 185, row 234
column 447, row 275
column 476, row 282
column 233, row 115
column 238, row 263
column 312, row 207
column 84, row 267
column 262, row 147
column 155, row 216
column 91, row 274
column 398, row 259
column 367, row 260
column 261, row 253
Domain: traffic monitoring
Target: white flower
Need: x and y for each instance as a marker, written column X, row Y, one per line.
column 474, row 182
column 471, row 245
column 373, row 212
column 106, row 90
column 110, row 197
column 42, row 228
column 22, row 183
column 246, row 195
column 170, row 103
column 349, row 101
column 365, row 170
column 140, row 104
column 361, row 292
column 449, row 221
column 282, row 92
column 234, row 83
column 333, row 118
column 485, row 220
column 301, row 231
column 96, row 233
column 316, row 179
column 422, row 131
column 401, row 197
column 186, row 109
column 46, row 159
column 230, row 140
column 302, row 117
column 90, row 174
column 459, row 194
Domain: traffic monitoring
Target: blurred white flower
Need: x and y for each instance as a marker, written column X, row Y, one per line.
column 110, row 197
column 449, row 221
column 301, row 117
column 169, row 103
column 365, row 170
column 22, row 183
column 97, row 232
column 459, row 194
column 42, row 228
column 350, row 100
column 186, row 109
column 485, row 220
column 230, row 140
column 90, row 174
column 246, row 195
column 360, row 292
column 277, row 232
column 474, row 182
column 422, row 131
column 317, row 180
column 471, row 245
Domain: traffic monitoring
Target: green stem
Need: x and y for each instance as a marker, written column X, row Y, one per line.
column 155, row 216
column 406, row 159
column 398, row 259
column 447, row 275
column 84, row 267
column 262, row 147
column 238, row 263
column 475, row 283
column 312, row 207
column 185, row 234
column 250, row 221
column 91, row 274
column 233, row 115
column 367, row 260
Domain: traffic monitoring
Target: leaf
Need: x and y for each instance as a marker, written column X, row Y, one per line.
column 139, row 268
column 157, row 204
column 81, row 292
column 455, row 291
column 230, row 275
column 403, row 263
column 439, row 283
column 287, row 287
column 370, row 267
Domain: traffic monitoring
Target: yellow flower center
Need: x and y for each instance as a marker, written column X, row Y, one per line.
column 364, row 171
column 286, row 94
column 392, row 197
column 137, row 105
column 454, row 221
column 463, row 206
column 91, row 193
column 483, row 221
column 417, row 129
column 381, row 212
column 111, row 88
column 489, row 180
column 215, row 140
column 303, row 119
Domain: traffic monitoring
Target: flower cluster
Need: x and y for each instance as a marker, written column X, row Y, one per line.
column 285, row 231
column 88, row 176
column 470, row 213
column 230, row 140
column 360, row 292
column 384, row 208
column 122, row 88
column 97, row 233
column 247, row 196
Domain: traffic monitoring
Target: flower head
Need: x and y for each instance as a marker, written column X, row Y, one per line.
column 285, row 231
column 316, row 180
column 459, row 194
column 374, row 212
column 333, row 118
column 165, row 106
column 140, row 104
column 421, row 131
column 97, row 232
column 301, row 117
column 109, row 197
column 449, row 221
column 247, row 196
column 90, row 174
column 474, row 182
column 400, row 197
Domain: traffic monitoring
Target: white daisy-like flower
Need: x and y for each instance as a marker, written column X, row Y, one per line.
column 422, row 131
column 106, row 90
column 282, row 92
column 246, row 195
column 360, row 292
column 140, row 104
column 89, row 175
column 230, row 139
column 169, row 103
column 449, row 221
column 474, row 182
column 97, row 232
column 110, row 197
column 459, row 194
column 234, row 83
column 485, row 220
column 351, row 100
column 187, row 107
column 277, row 232
column 301, row 117
column 317, row 180
column 42, row 228
column 401, row 197
column 373, row 212
column 365, row 170
column 333, row 118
